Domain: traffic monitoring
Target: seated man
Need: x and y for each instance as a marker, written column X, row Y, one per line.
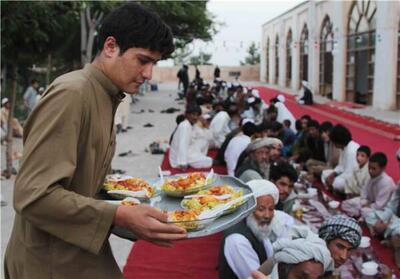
column 386, row 222
column 181, row 154
column 237, row 145
column 376, row 193
column 219, row 127
column 248, row 243
column 284, row 176
column 253, row 163
column 303, row 256
column 342, row 234
column 335, row 179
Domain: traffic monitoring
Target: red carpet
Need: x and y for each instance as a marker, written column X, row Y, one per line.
column 198, row 258
column 365, row 131
column 195, row 259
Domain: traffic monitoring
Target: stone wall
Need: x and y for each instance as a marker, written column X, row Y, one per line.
column 247, row 73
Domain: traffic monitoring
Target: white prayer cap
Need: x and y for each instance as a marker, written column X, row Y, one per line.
column 251, row 100
column 246, row 120
column 262, row 187
column 304, row 83
column 4, row 101
column 255, row 93
column 281, row 98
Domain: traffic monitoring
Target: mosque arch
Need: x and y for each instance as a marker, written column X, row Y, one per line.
column 276, row 80
column 303, row 71
column 289, row 41
column 326, row 58
column 360, row 62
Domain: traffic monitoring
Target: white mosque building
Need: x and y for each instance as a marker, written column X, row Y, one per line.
column 346, row 50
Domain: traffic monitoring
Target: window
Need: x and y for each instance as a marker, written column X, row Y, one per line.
column 289, row 58
column 303, row 55
column 326, row 58
column 276, row 59
column 361, row 52
column 267, row 61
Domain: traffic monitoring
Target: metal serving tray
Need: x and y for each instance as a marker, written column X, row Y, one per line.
column 165, row 202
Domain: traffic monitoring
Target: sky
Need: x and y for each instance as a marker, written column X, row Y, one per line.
column 242, row 25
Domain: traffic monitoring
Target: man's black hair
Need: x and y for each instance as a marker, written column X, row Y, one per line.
column 281, row 169
column 132, row 25
column 193, row 108
column 276, row 126
column 306, row 116
column 364, row 149
column 249, row 129
column 272, row 109
column 287, row 122
column 313, row 123
column 326, row 126
column 264, row 126
column 298, row 125
column 340, row 135
column 379, row 158
column 33, row 81
column 179, row 119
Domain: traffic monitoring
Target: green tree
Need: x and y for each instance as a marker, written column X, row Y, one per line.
column 253, row 55
column 201, row 59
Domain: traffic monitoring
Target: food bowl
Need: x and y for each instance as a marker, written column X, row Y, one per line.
column 185, row 185
column 312, row 191
column 188, row 219
column 365, row 242
column 208, row 199
column 334, row 204
column 370, row 268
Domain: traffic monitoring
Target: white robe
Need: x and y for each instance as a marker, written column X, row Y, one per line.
column 240, row 254
column 235, row 147
column 219, row 127
column 284, row 113
column 182, row 153
column 202, row 137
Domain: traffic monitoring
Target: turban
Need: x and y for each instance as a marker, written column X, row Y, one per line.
column 4, row 101
column 255, row 93
column 251, row 100
column 281, row 98
column 342, row 227
column 262, row 187
column 304, row 246
column 247, row 120
column 262, row 142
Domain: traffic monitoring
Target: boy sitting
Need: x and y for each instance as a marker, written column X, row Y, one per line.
column 360, row 174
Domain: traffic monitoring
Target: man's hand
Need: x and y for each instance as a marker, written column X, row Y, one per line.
column 258, row 275
column 330, row 179
column 148, row 223
column 380, row 227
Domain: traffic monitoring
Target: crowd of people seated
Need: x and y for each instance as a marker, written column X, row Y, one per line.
column 265, row 146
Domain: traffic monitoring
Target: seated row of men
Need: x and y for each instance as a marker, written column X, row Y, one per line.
column 269, row 240
column 266, row 148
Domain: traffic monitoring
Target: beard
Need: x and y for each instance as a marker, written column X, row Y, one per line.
column 261, row 232
column 264, row 168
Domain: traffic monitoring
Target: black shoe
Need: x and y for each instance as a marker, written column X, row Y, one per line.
column 148, row 125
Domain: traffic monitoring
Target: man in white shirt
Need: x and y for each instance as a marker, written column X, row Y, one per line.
column 237, row 145
column 219, row 127
column 336, row 179
column 181, row 153
column 249, row 243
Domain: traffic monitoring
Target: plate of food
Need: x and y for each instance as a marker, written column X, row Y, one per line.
column 187, row 184
column 189, row 219
column 212, row 197
column 127, row 201
column 126, row 186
